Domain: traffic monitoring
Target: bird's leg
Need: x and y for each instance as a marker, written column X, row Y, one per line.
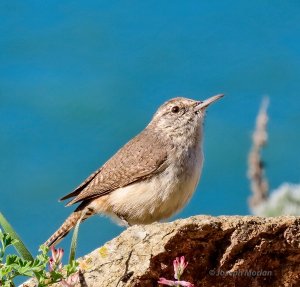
column 123, row 220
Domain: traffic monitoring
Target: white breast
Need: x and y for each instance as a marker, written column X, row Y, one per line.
column 160, row 196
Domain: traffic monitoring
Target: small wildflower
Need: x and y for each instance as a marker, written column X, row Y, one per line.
column 179, row 266
column 164, row 281
column 71, row 281
column 167, row 282
column 56, row 258
column 57, row 254
column 185, row 284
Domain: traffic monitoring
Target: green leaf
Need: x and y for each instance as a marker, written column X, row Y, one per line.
column 74, row 242
column 4, row 270
column 44, row 249
column 72, row 267
column 56, row 276
column 12, row 259
column 43, row 258
column 18, row 243
column 7, row 240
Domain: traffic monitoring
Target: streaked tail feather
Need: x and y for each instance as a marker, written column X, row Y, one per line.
column 68, row 225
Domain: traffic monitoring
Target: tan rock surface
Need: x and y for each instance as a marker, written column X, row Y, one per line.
column 221, row 251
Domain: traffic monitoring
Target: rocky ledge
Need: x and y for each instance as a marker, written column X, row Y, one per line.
column 221, row 251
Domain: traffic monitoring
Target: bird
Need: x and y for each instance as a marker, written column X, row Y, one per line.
column 150, row 178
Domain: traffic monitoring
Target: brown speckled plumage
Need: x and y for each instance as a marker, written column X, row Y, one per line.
column 140, row 158
column 151, row 177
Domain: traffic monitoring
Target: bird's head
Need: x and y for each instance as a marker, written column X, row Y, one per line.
column 181, row 116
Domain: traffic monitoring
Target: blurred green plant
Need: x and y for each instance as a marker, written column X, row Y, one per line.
column 17, row 242
column 74, row 242
column 12, row 265
column 285, row 200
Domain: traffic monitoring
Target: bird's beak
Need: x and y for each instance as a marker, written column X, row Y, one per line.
column 206, row 103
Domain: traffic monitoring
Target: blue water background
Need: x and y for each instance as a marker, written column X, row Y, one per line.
column 78, row 79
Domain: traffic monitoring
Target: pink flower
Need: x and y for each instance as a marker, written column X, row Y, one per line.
column 56, row 258
column 164, row 281
column 71, row 281
column 179, row 266
column 185, row 284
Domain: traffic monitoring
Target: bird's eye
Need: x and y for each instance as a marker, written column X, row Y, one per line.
column 175, row 109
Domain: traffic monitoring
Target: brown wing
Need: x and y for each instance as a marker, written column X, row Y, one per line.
column 140, row 158
column 79, row 188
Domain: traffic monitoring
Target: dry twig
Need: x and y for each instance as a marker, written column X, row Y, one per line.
column 256, row 172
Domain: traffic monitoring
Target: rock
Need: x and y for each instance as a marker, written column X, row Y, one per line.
column 221, row 251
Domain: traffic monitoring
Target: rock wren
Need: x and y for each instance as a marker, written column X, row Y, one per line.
column 150, row 178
